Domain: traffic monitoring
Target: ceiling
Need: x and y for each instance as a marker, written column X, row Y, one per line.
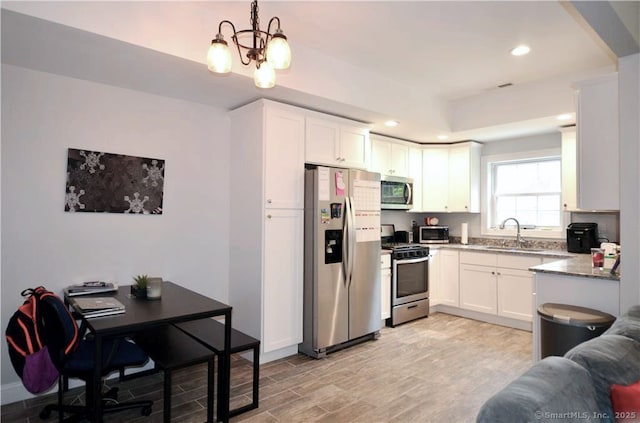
column 434, row 66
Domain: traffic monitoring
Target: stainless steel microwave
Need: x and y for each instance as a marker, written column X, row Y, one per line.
column 431, row 235
column 396, row 192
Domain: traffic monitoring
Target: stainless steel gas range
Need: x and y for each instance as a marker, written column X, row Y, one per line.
column 409, row 280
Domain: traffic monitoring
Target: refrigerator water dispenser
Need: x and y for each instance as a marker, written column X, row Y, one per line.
column 332, row 246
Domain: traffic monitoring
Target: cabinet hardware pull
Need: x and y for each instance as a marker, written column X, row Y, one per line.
column 268, row 216
column 493, row 273
column 269, row 201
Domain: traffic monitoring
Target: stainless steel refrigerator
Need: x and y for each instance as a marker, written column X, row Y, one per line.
column 341, row 259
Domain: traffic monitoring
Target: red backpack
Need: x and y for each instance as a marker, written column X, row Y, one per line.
column 39, row 332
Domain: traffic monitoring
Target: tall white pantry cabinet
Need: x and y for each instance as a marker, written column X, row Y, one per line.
column 267, row 224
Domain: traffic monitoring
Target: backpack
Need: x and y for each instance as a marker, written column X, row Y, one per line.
column 40, row 334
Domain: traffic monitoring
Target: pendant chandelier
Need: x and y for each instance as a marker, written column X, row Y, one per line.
column 269, row 50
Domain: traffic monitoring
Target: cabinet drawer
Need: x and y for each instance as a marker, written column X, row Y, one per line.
column 480, row 259
column 517, row 262
column 385, row 261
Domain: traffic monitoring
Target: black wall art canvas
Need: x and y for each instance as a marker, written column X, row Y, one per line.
column 113, row 183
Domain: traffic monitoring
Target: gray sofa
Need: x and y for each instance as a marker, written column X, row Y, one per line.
column 574, row 387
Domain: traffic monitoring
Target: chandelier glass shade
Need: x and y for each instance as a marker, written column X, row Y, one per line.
column 269, row 50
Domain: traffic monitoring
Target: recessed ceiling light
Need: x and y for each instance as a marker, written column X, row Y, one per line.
column 391, row 123
column 520, row 50
column 443, row 137
column 565, row 116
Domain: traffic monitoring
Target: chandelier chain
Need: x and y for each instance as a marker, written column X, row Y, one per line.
column 255, row 18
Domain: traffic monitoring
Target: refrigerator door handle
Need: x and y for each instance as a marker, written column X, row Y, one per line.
column 345, row 242
column 352, row 239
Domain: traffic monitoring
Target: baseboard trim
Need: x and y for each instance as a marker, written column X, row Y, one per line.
column 15, row 391
column 278, row 354
column 488, row 318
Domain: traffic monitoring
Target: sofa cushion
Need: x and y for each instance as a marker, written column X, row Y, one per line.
column 553, row 390
column 611, row 359
column 626, row 326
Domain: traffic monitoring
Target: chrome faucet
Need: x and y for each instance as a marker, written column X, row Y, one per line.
column 518, row 238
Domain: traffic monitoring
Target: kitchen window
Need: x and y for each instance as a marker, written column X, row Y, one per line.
column 527, row 187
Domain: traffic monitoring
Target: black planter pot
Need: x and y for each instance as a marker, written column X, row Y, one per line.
column 140, row 293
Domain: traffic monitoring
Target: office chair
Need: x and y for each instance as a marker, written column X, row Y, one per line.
column 117, row 354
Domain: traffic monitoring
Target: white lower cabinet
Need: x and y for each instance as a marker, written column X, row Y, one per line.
column 283, row 271
column 515, row 288
column 448, row 278
column 385, row 282
column 497, row 284
column 478, row 288
column 435, row 284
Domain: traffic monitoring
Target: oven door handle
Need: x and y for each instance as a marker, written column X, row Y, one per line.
column 409, row 261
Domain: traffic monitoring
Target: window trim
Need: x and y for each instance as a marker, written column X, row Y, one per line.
column 485, row 196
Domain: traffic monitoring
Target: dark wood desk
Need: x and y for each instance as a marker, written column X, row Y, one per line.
column 177, row 305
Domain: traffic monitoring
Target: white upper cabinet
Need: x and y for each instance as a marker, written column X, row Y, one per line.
column 569, row 170
column 389, row 157
column 335, row 142
column 322, row 142
column 597, row 144
column 415, row 173
column 284, row 159
column 451, row 178
column 464, row 178
column 435, row 179
column 354, row 147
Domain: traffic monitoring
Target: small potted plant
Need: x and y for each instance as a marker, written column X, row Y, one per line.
column 139, row 288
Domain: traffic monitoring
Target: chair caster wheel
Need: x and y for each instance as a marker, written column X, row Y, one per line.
column 146, row 411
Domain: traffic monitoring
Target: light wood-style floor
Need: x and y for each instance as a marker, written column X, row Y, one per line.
column 438, row 369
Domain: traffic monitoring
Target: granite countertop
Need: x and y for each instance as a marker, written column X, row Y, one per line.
column 569, row 264
column 579, row 265
column 540, row 252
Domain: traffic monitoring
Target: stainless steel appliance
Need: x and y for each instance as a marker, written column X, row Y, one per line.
column 431, row 235
column 341, row 259
column 409, row 278
column 396, row 192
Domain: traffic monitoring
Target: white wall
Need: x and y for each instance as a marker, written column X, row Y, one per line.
column 629, row 97
column 42, row 116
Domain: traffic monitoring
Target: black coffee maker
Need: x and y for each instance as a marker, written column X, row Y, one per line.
column 582, row 237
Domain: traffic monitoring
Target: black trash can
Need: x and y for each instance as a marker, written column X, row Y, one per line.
column 564, row 326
